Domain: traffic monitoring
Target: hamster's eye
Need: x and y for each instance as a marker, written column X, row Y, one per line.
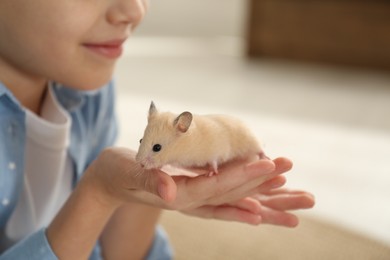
column 157, row 148
column 140, row 140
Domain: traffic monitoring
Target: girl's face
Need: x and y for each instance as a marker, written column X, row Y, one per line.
column 74, row 42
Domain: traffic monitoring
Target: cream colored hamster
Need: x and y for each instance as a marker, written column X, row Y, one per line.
column 188, row 140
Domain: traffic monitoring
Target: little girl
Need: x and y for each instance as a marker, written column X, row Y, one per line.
column 65, row 192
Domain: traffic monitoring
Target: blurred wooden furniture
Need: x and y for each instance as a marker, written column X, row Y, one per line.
column 353, row 32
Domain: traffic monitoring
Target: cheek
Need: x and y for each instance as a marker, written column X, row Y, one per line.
column 80, row 72
column 70, row 62
column 73, row 66
column 48, row 43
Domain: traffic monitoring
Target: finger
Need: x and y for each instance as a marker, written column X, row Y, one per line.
column 237, row 162
column 154, row 181
column 166, row 187
column 256, row 186
column 203, row 187
column 274, row 180
column 288, row 201
column 248, row 204
column 271, row 184
column 287, row 191
column 236, row 214
column 227, row 213
column 282, row 165
column 248, row 190
column 279, row 218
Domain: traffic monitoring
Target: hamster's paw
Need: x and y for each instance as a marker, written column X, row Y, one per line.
column 213, row 169
column 262, row 155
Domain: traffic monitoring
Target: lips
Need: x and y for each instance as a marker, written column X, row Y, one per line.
column 110, row 49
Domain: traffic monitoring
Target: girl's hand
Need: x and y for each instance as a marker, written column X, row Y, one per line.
column 117, row 178
column 255, row 202
column 274, row 205
column 236, row 193
column 120, row 179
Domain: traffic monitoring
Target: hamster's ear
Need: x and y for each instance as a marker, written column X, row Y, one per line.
column 152, row 110
column 183, row 121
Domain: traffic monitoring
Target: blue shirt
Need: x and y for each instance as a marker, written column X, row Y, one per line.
column 93, row 128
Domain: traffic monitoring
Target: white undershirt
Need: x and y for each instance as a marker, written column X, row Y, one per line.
column 48, row 169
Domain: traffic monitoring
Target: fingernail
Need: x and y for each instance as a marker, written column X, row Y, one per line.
column 162, row 190
column 262, row 166
column 278, row 184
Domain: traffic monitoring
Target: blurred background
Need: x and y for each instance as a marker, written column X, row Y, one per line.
column 311, row 78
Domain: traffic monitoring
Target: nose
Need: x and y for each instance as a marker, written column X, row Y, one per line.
column 127, row 12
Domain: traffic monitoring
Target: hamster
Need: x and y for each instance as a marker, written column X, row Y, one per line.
column 188, row 141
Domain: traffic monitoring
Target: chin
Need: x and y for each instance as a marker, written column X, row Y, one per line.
column 88, row 83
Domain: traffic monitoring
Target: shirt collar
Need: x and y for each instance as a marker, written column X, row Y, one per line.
column 69, row 98
column 4, row 91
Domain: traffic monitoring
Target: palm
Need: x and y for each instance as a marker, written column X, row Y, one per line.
column 257, row 201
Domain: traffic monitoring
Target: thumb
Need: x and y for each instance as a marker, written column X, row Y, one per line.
column 158, row 183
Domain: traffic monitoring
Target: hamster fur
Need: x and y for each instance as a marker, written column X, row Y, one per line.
column 188, row 140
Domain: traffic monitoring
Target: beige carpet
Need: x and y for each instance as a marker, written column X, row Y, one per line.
column 199, row 239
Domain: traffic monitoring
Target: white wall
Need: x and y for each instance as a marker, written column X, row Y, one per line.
column 195, row 18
